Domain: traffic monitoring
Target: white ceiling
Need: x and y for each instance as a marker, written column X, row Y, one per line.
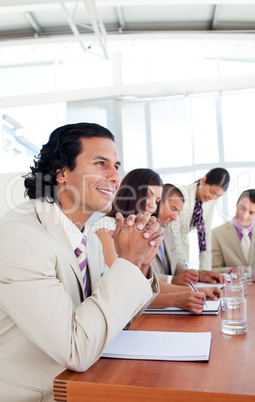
column 41, row 29
column 49, row 18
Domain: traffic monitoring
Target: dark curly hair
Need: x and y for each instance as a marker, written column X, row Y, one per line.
column 61, row 150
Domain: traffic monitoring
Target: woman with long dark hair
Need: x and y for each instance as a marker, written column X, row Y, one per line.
column 140, row 192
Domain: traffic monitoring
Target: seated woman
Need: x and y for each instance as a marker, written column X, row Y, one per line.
column 140, row 192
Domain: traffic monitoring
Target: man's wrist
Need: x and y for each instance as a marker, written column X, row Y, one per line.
column 131, row 258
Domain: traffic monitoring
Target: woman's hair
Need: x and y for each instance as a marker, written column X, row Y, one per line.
column 218, row 177
column 132, row 193
column 61, row 150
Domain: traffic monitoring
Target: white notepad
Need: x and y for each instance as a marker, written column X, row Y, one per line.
column 212, row 308
column 155, row 345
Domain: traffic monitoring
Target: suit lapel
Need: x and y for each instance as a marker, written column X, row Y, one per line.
column 50, row 221
column 234, row 239
column 252, row 247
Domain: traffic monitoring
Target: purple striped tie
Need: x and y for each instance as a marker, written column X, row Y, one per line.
column 81, row 255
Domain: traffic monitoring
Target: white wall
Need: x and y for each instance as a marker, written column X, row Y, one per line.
column 12, row 191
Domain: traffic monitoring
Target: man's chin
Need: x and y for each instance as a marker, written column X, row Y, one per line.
column 106, row 208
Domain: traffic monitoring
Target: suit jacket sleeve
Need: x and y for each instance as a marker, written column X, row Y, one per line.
column 41, row 307
column 217, row 255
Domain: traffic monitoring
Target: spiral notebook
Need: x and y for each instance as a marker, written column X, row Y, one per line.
column 212, row 308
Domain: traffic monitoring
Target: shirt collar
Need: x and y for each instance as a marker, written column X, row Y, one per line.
column 240, row 228
column 73, row 234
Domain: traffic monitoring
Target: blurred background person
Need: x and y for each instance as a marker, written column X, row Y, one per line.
column 233, row 243
column 197, row 212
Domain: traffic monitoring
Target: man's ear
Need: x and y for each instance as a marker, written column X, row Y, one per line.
column 202, row 181
column 61, row 175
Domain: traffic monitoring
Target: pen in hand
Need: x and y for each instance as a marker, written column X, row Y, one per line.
column 193, row 287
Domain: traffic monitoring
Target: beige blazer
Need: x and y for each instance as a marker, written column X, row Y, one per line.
column 181, row 227
column 45, row 326
column 170, row 254
column 226, row 248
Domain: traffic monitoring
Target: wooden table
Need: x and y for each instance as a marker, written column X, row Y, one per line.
column 228, row 376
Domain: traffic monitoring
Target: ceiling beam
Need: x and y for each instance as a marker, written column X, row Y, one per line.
column 215, row 18
column 149, row 89
column 121, row 18
column 7, row 6
column 33, row 22
column 72, row 25
column 96, row 25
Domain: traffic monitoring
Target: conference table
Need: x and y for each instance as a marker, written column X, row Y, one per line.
column 228, row 376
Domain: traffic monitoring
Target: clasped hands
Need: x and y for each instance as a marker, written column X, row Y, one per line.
column 137, row 238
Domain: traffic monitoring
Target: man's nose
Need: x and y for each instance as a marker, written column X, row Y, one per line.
column 114, row 176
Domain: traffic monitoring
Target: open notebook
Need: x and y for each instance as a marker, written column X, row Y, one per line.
column 157, row 345
column 212, row 308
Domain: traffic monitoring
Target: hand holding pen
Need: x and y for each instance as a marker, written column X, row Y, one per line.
column 188, row 275
column 193, row 287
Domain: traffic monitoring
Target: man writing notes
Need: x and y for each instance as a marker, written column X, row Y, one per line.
column 59, row 304
column 233, row 242
column 165, row 263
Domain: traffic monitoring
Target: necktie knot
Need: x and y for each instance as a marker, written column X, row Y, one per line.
column 245, row 232
column 80, row 253
column 81, row 248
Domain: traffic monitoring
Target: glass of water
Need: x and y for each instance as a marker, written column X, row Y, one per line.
column 249, row 275
column 240, row 277
column 233, row 290
column 233, row 316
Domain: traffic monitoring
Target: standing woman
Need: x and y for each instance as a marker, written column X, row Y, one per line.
column 200, row 200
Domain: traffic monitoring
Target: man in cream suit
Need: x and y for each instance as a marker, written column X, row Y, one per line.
column 228, row 251
column 47, row 321
column 165, row 262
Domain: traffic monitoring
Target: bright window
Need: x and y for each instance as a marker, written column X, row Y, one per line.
column 134, row 137
column 204, row 129
column 171, row 135
column 24, row 131
column 238, row 125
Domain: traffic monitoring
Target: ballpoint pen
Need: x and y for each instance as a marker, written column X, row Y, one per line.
column 193, row 287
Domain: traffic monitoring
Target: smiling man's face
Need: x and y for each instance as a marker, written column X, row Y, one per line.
column 91, row 185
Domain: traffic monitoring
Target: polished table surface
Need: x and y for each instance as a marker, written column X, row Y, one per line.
column 228, row 376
